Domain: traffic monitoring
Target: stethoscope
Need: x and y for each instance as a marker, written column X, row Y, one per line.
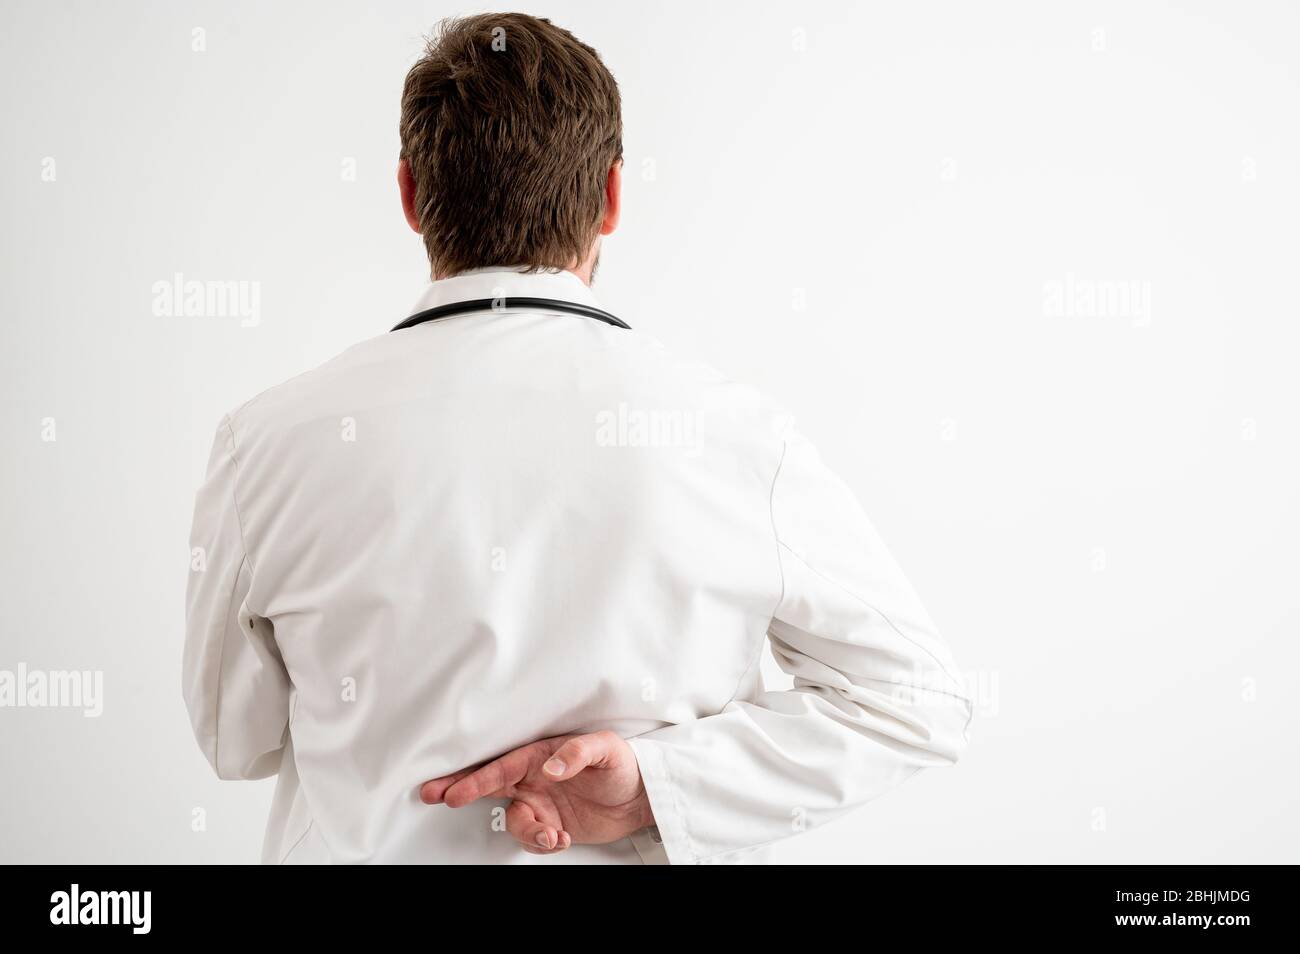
column 500, row 304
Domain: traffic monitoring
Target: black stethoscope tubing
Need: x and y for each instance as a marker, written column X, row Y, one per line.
column 501, row 304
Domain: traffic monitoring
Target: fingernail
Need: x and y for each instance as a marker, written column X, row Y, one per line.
column 553, row 767
column 543, row 840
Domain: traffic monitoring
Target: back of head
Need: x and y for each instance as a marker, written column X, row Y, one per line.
column 510, row 126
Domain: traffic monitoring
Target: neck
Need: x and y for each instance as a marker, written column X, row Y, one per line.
column 585, row 270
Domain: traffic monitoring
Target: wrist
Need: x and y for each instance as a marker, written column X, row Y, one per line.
column 645, row 814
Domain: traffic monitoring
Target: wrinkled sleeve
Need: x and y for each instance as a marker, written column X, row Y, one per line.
column 233, row 678
column 876, row 697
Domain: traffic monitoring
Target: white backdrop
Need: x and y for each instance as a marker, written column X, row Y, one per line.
column 1027, row 273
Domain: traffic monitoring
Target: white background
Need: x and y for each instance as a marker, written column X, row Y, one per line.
column 1099, row 510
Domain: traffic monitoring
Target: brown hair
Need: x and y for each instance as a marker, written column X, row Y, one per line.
column 510, row 125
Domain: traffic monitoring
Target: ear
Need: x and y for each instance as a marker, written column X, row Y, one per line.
column 613, row 198
column 406, row 185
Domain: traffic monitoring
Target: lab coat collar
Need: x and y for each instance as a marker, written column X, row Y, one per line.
column 505, row 283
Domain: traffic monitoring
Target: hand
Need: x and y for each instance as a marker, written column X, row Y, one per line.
column 571, row 788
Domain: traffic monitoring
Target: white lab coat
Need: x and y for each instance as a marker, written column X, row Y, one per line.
column 455, row 539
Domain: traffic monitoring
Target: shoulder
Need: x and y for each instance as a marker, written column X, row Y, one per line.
column 311, row 391
column 737, row 412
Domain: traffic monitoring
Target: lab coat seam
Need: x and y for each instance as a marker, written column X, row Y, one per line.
column 757, row 655
column 234, row 592
column 687, row 838
column 961, row 697
column 234, row 494
column 888, row 621
column 221, row 662
column 294, row 847
column 655, row 777
column 771, row 512
column 747, row 850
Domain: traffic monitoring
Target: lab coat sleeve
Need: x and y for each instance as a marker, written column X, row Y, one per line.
column 876, row 695
column 233, row 678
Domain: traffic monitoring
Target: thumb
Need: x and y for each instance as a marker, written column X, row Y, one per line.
column 595, row 750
